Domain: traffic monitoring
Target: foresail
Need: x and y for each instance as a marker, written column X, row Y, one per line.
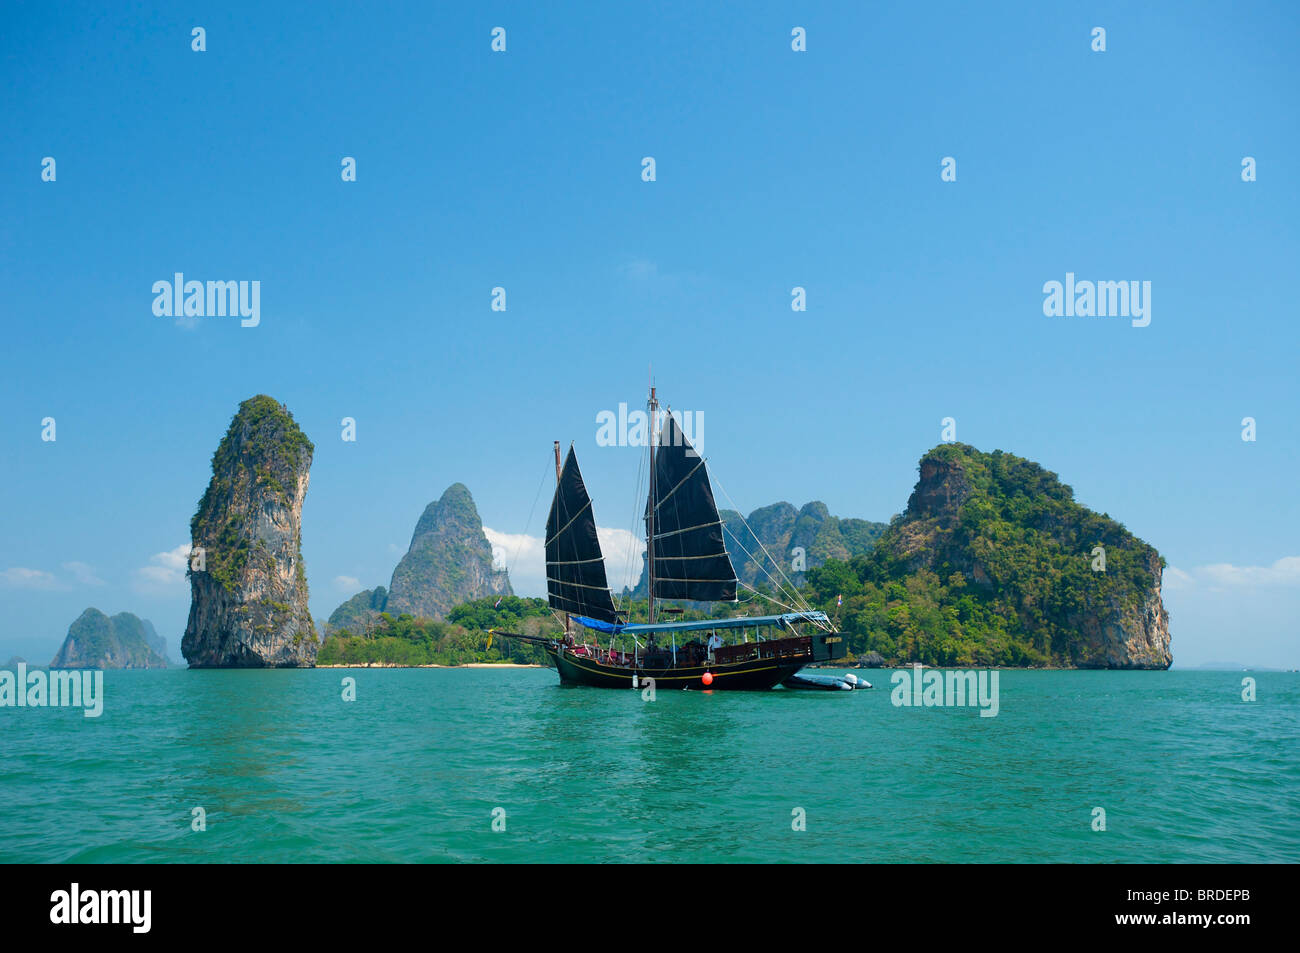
column 690, row 558
column 575, row 566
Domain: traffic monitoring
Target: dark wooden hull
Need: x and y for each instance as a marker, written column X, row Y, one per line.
column 750, row 675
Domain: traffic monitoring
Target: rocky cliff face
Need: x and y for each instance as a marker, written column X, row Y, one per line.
column 449, row 562
column 97, row 641
column 783, row 530
column 248, row 604
column 156, row 641
column 1023, row 545
column 1121, row 635
column 940, row 491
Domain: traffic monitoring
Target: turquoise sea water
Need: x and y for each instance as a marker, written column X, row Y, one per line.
column 1185, row 770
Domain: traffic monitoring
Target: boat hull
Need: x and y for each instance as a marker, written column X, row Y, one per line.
column 750, row 675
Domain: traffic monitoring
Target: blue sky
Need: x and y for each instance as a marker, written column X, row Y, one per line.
column 522, row 169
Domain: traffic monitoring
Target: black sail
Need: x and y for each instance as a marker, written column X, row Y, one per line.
column 575, row 567
column 690, row 559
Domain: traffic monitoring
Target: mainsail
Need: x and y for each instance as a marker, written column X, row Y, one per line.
column 690, row 559
column 575, row 567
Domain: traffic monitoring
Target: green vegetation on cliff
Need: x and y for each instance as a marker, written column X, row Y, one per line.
column 263, row 441
column 449, row 561
column 993, row 564
column 462, row 638
column 249, row 599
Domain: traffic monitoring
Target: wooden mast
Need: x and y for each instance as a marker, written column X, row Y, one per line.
column 557, row 489
column 650, row 521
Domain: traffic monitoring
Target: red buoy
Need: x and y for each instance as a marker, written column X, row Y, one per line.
column 707, row 678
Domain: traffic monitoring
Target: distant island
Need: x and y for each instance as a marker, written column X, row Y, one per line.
column 96, row 640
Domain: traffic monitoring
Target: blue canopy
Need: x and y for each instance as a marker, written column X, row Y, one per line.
column 740, row 622
column 596, row 624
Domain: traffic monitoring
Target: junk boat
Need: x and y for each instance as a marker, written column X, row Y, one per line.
column 686, row 560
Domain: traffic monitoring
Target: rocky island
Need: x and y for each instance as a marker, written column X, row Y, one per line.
column 449, row 563
column 449, row 560
column 96, row 640
column 995, row 564
column 248, row 584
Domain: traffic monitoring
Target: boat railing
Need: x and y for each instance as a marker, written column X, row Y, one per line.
column 794, row 647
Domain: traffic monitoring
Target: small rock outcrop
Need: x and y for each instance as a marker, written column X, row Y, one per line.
column 449, row 561
column 97, row 641
column 248, row 584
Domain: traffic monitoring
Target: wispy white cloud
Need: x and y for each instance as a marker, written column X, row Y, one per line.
column 20, row 577
column 525, row 557
column 622, row 551
column 166, row 571
column 348, row 584
column 83, row 573
column 74, row 574
column 1219, row 576
column 639, row 269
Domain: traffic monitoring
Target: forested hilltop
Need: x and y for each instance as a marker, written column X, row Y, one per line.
column 994, row 563
column 458, row 640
